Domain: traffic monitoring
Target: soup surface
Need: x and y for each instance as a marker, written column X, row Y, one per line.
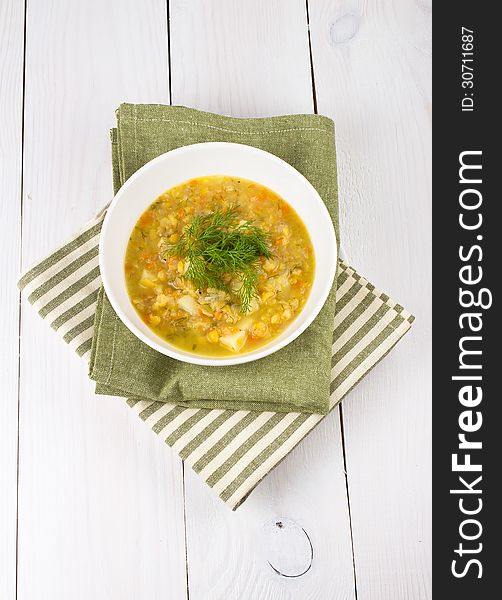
column 241, row 308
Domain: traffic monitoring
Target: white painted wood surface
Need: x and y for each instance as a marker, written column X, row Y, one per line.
column 100, row 498
column 372, row 73
column 11, row 111
column 105, row 509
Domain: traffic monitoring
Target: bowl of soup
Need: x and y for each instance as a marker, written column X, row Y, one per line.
column 217, row 253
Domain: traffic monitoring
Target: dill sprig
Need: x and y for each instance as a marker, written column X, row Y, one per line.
column 219, row 244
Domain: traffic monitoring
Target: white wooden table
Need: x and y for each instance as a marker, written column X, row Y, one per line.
column 92, row 505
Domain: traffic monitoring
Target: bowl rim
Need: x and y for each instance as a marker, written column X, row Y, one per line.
column 171, row 351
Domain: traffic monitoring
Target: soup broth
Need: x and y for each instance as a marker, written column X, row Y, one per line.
column 215, row 321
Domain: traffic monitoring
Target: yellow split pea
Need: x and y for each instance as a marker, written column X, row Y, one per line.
column 209, row 321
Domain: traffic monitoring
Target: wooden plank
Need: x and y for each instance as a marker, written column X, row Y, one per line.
column 238, row 58
column 11, row 115
column 252, row 59
column 372, row 74
column 101, row 498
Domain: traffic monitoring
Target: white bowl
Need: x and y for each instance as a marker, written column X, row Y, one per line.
column 214, row 158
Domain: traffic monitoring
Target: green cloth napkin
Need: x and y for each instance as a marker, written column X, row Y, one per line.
column 296, row 378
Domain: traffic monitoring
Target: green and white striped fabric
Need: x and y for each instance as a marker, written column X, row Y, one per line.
column 231, row 450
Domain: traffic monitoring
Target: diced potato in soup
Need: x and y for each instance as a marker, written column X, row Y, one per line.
column 207, row 320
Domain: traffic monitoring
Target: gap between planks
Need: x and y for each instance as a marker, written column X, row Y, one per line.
column 340, row 413
column 21, row 206
column 183, row 483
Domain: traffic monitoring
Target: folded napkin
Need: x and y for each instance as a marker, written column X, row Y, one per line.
column 295, row 378
column 231, row 449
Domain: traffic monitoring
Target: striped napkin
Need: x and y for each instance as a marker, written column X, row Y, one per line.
column 231, row 450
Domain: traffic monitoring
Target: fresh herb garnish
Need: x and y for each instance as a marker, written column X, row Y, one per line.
column 219, row 244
